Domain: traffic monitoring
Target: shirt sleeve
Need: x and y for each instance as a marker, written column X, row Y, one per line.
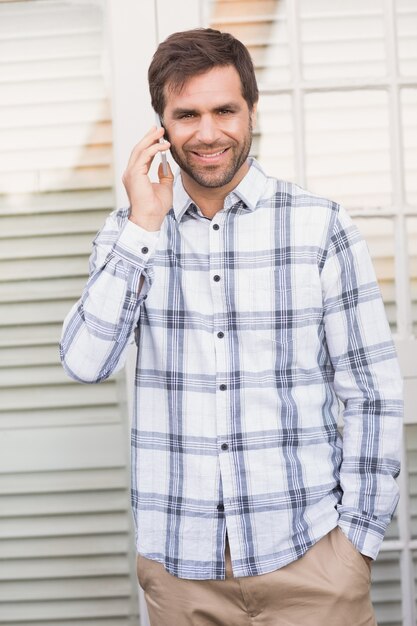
column 100, row 326
column 368, row 384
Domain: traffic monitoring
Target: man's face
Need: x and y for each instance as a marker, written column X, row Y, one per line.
column 209, row 126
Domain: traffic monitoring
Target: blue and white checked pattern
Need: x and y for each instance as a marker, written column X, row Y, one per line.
column 252, row 330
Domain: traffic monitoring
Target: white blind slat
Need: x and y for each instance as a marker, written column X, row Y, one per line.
column 65, row 521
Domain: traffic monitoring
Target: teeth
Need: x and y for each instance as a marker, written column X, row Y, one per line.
column 211, row 156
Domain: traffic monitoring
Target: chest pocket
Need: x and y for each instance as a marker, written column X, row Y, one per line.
column 286, row 307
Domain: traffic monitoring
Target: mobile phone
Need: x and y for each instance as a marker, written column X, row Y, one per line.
column 163, row 154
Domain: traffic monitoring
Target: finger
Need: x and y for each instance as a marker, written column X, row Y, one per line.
column 152, row 136
column 145, row 158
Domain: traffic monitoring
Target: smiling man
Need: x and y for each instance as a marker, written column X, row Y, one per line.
column 256, row 316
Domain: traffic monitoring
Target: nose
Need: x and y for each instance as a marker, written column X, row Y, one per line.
column 207, row 131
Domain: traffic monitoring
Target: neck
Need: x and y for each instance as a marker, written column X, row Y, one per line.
column 210, row 200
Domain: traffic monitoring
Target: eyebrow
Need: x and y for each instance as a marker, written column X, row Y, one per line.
column 179, row 111
column 182, row 111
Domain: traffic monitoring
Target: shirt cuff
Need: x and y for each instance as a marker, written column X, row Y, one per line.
column 136, row 245
column 365, row 534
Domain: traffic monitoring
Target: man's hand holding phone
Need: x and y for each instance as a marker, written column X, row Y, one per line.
column 149, row 202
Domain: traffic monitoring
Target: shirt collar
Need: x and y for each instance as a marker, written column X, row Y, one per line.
column 249, row 191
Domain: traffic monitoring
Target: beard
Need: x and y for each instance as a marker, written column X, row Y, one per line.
column 214, row 176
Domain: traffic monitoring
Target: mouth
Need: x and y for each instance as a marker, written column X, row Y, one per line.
column 210, row 157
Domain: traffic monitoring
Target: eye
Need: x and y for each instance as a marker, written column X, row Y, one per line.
column 186, row 116
column 225, row 112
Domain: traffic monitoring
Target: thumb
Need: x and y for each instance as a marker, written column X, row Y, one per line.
column 167, row 178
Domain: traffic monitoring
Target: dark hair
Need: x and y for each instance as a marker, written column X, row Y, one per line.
column 192, row 52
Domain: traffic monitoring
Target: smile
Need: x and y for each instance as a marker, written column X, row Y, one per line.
column 210, row 156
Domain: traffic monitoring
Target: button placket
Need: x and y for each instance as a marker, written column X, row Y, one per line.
column 217, row 274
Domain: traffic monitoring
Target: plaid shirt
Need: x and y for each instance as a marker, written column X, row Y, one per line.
column 253, row 330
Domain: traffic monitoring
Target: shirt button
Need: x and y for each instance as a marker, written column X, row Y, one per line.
column 220, row 507
column 145, row 250
column 216, row 278
column 220, row 335
column 224, row 446
column 223, row 387
column 216, row 227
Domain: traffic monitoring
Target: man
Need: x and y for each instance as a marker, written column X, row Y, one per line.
column 256, row 316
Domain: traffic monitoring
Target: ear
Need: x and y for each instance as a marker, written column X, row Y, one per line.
column 253, row 115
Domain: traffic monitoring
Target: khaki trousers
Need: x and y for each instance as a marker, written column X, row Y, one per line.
column 328, row 586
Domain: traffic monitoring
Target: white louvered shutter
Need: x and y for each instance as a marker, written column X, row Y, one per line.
column 66, row 545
